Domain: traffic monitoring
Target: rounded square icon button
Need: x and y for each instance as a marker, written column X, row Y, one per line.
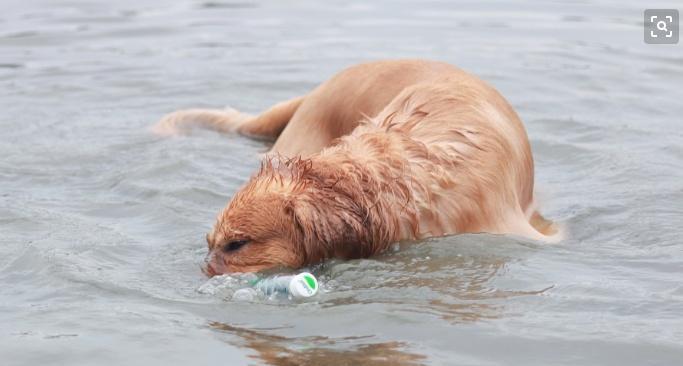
column 660, row 26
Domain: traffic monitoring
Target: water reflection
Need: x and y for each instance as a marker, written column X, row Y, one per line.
column 318, row 350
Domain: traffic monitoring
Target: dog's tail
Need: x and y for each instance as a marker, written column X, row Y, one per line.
column 267, row 125
column 270, row 123
column 551, row 232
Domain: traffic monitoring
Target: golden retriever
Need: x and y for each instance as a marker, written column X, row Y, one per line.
column 382, row 152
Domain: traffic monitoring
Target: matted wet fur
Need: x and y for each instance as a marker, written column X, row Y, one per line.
column 442, row 153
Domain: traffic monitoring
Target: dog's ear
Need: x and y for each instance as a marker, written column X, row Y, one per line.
column 309, row 227
column 328, row 226
column 333, row 217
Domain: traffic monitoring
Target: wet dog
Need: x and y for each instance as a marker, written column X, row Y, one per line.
column 381, row 152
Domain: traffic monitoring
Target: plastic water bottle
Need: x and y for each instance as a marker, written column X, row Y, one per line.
column 298, row 286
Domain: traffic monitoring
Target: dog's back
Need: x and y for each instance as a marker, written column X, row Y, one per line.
column 468, row 154
column 337, row 106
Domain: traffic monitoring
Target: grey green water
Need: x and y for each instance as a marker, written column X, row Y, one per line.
column 102, row 223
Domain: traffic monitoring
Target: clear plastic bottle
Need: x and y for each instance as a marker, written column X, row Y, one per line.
column 298, row 286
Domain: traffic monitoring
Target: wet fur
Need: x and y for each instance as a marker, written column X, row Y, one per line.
column 444, row 156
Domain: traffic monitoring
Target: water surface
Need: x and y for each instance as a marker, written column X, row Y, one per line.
column 102, row 224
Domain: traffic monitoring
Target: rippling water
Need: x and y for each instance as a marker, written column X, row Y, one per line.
column 102, row 223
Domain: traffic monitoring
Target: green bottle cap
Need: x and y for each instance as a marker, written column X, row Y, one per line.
column 303, row 285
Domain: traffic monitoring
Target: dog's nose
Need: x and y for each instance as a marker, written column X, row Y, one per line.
column 213, row 265
column 206, row 267
column 208, row 270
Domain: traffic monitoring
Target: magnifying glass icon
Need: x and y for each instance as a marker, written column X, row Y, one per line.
column 661, row 25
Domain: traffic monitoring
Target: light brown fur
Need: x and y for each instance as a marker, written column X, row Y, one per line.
column 382, row 152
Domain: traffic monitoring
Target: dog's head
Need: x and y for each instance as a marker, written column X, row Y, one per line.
column 290, row 214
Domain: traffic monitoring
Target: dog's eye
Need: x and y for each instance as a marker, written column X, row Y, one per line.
column 235, row 245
